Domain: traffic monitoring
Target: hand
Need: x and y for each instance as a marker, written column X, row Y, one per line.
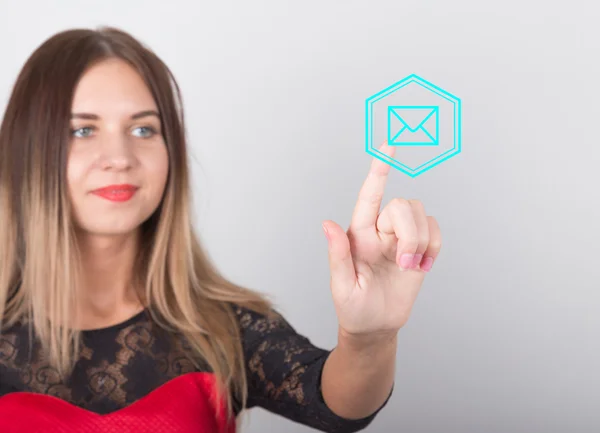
column 378, row 265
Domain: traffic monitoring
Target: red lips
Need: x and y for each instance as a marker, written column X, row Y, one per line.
column 117, row 193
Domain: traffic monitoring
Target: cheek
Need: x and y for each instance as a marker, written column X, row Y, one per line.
column 76, row 168
column 156, row 170
column 76, row 171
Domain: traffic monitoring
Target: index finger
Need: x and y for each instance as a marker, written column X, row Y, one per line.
column 371, row 193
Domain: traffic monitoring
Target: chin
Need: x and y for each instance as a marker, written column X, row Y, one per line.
column 120, row 229
column 113, row 232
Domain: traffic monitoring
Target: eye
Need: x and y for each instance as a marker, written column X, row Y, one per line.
column 150, row 131
column 147, row 131
column 76, row 131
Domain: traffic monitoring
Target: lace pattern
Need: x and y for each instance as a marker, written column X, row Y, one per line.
column 121, row 364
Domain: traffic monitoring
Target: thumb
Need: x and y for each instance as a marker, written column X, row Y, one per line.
column 341, row 264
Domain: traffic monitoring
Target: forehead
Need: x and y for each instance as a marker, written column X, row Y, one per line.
column 112, row 87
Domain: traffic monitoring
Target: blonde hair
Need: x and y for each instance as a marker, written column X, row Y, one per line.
column 38, row 252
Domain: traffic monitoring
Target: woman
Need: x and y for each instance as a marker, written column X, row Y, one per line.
column 114, row 318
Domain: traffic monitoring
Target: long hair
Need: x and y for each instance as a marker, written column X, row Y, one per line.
column 38, row 251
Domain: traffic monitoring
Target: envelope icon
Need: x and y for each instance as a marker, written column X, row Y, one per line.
column 413, row 125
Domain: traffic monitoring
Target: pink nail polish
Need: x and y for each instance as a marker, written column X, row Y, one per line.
column 416, row 260
column 406, row 261
column 427, row 264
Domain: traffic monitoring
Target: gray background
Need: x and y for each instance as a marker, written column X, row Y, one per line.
column 504, row 334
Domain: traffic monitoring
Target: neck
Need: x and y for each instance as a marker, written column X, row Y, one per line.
column 107, row 295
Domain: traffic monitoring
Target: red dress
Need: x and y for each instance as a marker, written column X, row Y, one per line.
column 136, row 377
column 182, row 405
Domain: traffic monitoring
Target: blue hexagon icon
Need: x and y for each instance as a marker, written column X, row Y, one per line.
column 420, row 118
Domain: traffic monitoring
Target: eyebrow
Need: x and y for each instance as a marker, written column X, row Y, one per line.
column 96, row 117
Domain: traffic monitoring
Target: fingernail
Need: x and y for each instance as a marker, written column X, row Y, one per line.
column 427, row 264
column 416, row 260
column 406, row 260
column 326, row 233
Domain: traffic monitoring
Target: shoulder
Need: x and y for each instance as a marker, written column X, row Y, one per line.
column 261, row 320
column 270, row 335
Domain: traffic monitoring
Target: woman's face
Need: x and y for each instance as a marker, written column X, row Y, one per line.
column 115, row 143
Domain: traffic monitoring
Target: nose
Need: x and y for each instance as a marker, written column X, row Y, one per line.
column 117, row 154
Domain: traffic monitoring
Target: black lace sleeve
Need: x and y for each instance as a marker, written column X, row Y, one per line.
column 284, row 374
